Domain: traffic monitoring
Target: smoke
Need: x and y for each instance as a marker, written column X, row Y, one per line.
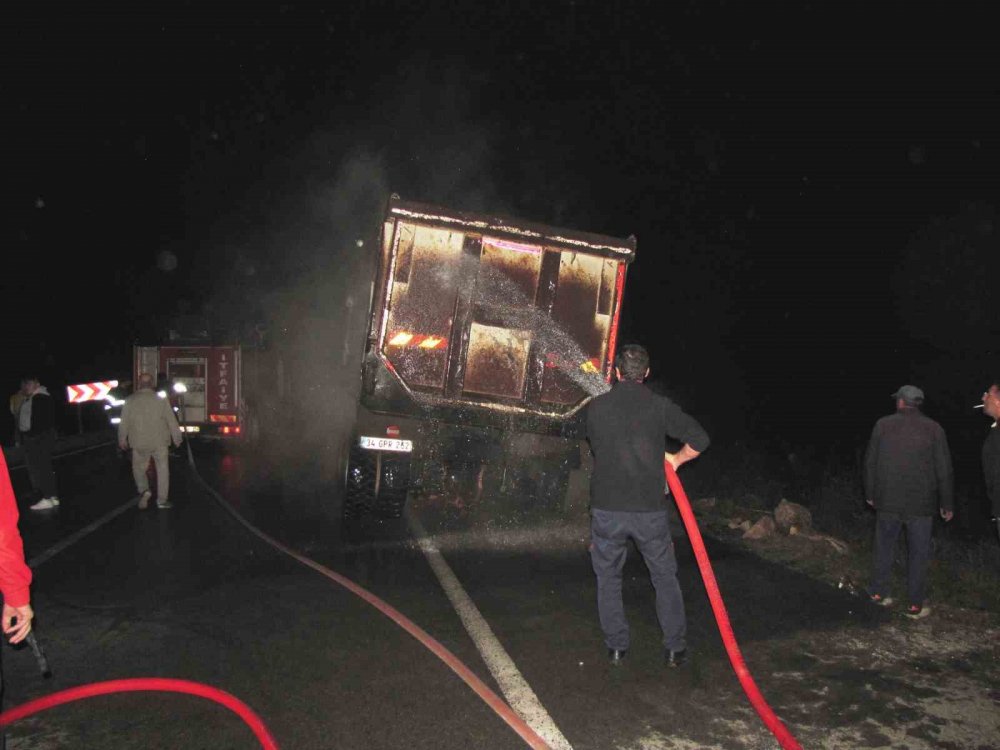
column 309, row 229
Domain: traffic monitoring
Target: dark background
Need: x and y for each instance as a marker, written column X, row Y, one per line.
column 813, row 187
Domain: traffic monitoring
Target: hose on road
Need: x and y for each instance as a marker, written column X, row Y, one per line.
column 145, row 684
column 770, row 719
column 494, row 701
column 773, row 723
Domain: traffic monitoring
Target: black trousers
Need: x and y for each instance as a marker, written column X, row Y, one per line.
column 38, row 456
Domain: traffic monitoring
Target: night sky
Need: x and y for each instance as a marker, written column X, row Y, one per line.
column 813, row 188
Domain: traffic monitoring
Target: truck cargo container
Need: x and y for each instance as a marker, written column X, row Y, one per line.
column 487, row 337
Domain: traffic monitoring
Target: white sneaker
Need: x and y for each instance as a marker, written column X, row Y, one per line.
column 46, row 503
column 144, row 499
column 164, row 505
column 915, row 612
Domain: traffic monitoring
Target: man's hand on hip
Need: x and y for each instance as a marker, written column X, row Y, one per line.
column 685, row 454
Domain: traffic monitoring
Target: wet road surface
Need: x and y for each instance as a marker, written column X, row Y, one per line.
column 188, row 593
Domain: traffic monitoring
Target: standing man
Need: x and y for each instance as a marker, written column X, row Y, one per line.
column 991, row 450
column 15, row 575
column 148, row 426
column 36, row 424
column 626, row 428
column 908, row 478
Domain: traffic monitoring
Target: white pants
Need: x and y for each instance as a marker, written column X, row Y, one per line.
column 140, row 462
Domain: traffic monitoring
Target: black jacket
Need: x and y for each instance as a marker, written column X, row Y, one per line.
column 991, row 468
column 43, row 414
column 908, row 465
column 626, row 428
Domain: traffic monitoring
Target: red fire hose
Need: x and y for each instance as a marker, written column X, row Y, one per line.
column 773, row 723
column 143, row 684
column 157, row 684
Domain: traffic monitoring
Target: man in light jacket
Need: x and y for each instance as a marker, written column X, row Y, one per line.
column 148, row 427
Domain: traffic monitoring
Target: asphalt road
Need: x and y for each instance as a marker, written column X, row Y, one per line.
column 189, row 593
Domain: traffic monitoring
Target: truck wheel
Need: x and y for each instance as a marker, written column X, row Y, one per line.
column 394, row 482
column 359, row 483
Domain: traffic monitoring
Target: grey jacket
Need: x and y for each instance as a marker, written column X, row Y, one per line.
column 148, row 422
column 908, row 465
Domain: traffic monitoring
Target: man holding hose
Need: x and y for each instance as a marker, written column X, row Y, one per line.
column 626, row 428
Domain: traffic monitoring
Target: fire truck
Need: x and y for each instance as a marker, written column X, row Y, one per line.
column 487, row 336
column 203, row 383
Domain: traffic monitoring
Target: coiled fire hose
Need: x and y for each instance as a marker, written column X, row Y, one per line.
column 773, row 723
column 145, row 684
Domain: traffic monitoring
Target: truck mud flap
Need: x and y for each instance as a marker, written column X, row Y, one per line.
column 376, row 483
column 359, row 484
column 394, row 482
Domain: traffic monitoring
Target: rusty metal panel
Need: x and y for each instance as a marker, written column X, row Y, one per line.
column 420, row 309
column 508, row 272
column 576, row 313
column 497, row 361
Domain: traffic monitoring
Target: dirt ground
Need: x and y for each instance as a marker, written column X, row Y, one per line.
column 931, row 683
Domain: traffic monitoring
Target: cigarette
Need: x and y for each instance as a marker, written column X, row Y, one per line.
column 978, row 406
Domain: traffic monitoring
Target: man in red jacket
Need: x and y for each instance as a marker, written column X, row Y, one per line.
column 15, row 575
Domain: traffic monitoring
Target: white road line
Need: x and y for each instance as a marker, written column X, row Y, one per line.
column 78, row 535
column 512, row 684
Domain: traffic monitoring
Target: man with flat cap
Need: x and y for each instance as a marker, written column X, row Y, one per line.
column 908, row 478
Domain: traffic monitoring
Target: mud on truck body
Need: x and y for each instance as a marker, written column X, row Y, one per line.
column 487, row 337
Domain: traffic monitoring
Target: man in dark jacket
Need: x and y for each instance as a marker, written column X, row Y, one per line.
column 908, row 478
column 626, row 428
column 991, row 450
column 36, row 424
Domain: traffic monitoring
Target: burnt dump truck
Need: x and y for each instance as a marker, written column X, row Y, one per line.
column 488, row 336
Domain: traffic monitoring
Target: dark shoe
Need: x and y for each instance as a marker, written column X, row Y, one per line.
column 617, row 655
column 676, row 658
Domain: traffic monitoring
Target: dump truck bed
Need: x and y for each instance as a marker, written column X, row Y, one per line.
column 477, row 316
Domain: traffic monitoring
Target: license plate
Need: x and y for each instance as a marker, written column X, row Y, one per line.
column 386, row 444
